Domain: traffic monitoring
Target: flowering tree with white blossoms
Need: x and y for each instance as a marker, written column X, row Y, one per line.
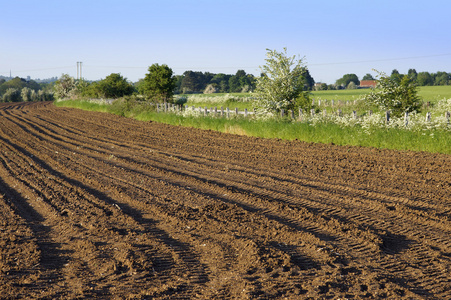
column 281, row 84
column 399, row 96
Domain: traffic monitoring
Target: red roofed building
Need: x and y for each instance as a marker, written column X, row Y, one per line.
column 368, row 83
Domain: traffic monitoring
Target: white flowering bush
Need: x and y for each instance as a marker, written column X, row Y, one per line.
column 399, row 96
column 227, row 98
column 281, row 84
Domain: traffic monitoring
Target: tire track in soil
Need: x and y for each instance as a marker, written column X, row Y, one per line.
column 180, row 248
column 346, row 237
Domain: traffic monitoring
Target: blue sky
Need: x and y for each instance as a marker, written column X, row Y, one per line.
column 46, row 38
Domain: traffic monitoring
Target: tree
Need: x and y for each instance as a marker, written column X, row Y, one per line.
column 395, row 75
column 412, row 73
column 65, row 87
column 368, row 76
column 222, row 82
column 441, row 78
column 159, row 84
column 425, row 78
column 114, row 86
column 346, row 79
column 308, row 81
column 11, row 95
column 210, row 89
column 351, row 86
column 25, row 94
column 399, row 97
column 281, row 85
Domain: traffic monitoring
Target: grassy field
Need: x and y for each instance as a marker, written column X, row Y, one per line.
column 430, row 94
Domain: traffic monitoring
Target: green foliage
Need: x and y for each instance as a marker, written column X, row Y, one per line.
column 399, row 96
column 368, row 76
column 11, row 95
column 159, row 84
column 346, row 79
column 114, row 86
column 281, row 85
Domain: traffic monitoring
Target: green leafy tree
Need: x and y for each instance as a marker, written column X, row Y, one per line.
column 12, row 95
column 114, row 86
column 281, row 85
column 425, row 78
column 346, row 79
column 412, row 73
column 368, row 76
column 395, row 75
column 159, row 84
column 222, row 82
column 397, row 96
column 308, row 81
column 441, row 78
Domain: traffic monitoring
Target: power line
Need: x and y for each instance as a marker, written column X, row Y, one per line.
column 380, row 60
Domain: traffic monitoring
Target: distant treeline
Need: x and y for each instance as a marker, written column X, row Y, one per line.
column 19, row 89
column 200, row 82
column 351, row 81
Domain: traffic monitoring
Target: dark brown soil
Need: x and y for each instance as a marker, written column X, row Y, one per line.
column 98, row 206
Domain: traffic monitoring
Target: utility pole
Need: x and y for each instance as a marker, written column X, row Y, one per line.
column 79, row 67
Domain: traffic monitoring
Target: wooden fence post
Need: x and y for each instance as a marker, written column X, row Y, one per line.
column 300, row 114
column 406, row 118
column 292, row 114
column 319, row 102
column 370, row 113
column 222, row 111
column 312, row 112
column 205, row 111
column 282, row 113
column 428, row 117
column 228, row 112
column 236, row 111
column 387, row 117
column 340, row 113
column 354, row 114
column 245, row 112
column 447, row 115
column 324, row 113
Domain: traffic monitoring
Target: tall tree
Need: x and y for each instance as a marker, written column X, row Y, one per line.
column 308, row 80
column 412, row 73
column 159, row 83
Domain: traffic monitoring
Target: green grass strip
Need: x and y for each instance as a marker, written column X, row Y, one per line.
column 435, row 141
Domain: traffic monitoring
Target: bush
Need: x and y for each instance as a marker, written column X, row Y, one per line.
column 397, row 96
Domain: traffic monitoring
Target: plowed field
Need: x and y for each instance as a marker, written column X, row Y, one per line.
column 98, row 206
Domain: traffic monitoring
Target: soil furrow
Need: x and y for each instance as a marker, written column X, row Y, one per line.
column 151, row 211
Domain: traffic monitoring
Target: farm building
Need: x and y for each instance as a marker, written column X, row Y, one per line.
column 368, row 83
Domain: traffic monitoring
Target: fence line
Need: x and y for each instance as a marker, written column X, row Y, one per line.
column 205, row 111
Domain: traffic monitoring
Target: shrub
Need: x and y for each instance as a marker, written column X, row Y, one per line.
column 397, row 96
